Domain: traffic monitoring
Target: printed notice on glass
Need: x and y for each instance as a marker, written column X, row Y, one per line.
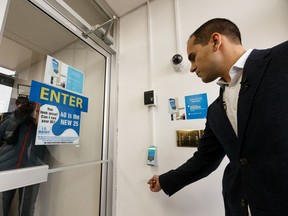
column 59, row 74
column 196, row 106
column 59, row 116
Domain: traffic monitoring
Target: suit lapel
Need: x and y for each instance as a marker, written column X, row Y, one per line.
column 253, row 72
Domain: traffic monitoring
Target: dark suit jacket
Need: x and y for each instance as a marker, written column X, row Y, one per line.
column 258, row 170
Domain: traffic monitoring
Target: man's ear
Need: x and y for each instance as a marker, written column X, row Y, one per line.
column 216, row 39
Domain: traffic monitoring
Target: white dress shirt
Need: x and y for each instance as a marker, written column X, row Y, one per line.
column 231, row 93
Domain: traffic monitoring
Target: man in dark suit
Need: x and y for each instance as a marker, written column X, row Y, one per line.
column 248, row 122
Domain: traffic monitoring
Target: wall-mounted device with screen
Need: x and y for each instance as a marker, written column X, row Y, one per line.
column 151, row 160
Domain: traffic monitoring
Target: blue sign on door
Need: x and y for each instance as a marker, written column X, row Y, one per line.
column 196, row 106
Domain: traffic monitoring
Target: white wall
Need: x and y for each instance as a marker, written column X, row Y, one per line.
column 263, row 23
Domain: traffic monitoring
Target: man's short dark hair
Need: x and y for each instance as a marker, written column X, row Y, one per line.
column 222, row 26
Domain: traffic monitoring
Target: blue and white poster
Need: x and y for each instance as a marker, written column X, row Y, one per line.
column 196, row 106
column 59, row 74
column 60, row 114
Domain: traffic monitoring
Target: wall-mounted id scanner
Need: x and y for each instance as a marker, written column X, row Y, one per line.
column 149, row 98
column 151, row 160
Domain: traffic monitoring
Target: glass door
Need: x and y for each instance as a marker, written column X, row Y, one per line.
column 67, row 179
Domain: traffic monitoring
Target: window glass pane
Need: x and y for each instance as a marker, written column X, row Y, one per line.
column 24, row 48
column 70, row 196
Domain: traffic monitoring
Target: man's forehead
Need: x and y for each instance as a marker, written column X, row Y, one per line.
column 190, row 44
column 192, row 39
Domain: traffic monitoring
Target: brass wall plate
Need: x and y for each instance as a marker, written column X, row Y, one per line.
column 188, row 138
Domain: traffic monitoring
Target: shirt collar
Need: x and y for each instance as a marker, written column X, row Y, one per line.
column 242, row 60
column 236, row 68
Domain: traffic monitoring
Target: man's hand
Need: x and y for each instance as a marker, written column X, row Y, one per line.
column 154, row 184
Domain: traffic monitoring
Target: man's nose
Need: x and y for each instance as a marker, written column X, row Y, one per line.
column 193, row 68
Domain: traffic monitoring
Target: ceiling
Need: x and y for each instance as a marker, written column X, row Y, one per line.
column 28, row 33
column 122, row 7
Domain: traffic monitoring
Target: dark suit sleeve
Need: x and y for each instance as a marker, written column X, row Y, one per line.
column 204, row 161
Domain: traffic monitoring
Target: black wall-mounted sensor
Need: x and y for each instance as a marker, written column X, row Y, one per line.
column 149, row 98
